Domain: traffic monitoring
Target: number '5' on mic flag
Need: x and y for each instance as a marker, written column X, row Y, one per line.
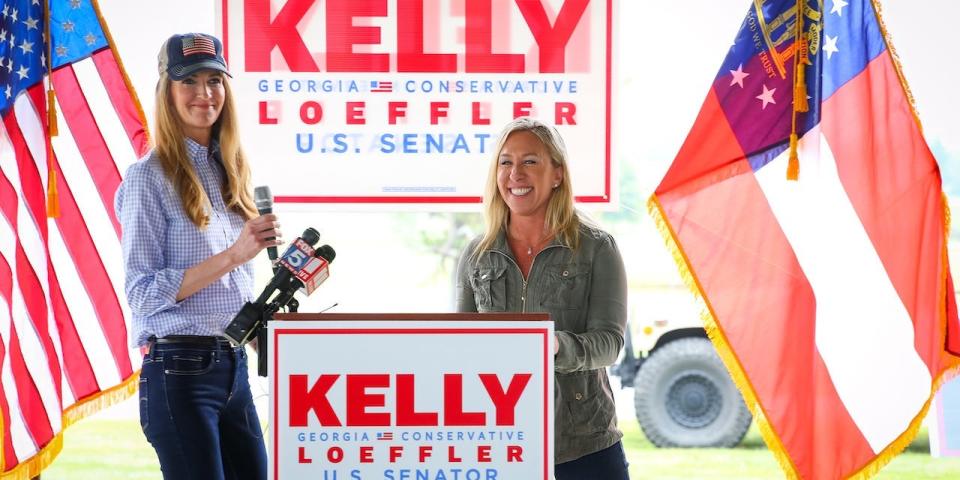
column 63, row 313
column 824, row 278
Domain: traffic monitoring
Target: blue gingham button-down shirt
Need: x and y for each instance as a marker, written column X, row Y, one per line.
column 160, row 243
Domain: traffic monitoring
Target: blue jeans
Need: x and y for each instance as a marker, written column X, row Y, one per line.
column 197, row 411
column 607, row 464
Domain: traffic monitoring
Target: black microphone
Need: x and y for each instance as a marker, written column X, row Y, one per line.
column 310, row 280
column 293, row 259
column 263, row 199
column 248, row 320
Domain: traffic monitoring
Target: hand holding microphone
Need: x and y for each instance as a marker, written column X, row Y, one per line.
column 260, row 232
column 257, row 233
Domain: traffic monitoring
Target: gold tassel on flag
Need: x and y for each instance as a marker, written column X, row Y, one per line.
column 799, row 91
column 53, row 199
column 793, row 164
column 801, row 59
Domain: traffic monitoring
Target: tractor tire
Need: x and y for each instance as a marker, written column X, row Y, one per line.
column 684, row 397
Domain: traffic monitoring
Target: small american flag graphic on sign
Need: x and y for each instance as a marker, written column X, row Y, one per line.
column 380, row 87
column 198, row 44
column 384, row 435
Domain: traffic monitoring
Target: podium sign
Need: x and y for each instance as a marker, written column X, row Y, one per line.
column 411, row 400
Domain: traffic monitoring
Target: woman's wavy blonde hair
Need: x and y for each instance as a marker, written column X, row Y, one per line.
column 562, row 219
column 170, row 148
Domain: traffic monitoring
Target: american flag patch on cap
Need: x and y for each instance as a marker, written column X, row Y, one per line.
column 198, row 44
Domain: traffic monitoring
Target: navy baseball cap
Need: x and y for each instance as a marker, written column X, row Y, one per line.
column 184, row 54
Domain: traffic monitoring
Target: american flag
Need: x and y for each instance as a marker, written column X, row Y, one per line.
column 385, row 436
column 63, row 314
column 824, row 274
column 198, row 44
column 379, row 86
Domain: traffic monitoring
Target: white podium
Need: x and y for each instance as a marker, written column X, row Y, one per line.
column 411, row 397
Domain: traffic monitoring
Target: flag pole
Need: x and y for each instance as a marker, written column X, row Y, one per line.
column 800, row 60
column 53, row 199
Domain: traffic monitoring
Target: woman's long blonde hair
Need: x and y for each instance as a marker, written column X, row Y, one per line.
column 562, row 219
column 170, row 148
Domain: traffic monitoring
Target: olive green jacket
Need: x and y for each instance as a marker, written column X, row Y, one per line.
column 585, row 293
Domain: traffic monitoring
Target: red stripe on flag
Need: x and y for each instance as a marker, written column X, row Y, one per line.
column 93, row 275
column 29, row 180
column 8, row 202
column 893, row 183
column 77, row 367
column 6, row 291
column 30, row 405
column 36, row 304
column 709, row 147
column 122, row 99
column 88, row 138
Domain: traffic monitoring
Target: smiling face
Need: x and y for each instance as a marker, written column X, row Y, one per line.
column 198, row 100
column 526, row 175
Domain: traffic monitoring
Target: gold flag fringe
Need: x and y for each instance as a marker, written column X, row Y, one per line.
column 94, row 403
column 41, row 460
column 897, row 66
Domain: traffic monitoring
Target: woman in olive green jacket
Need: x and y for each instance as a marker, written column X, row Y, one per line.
column 538, row 255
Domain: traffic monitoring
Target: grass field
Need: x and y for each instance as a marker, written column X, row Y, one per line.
column 98, row 449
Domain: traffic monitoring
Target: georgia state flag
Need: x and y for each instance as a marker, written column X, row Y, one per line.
column 829, row 296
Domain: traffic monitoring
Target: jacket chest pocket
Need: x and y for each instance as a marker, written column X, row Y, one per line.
column 489, row 289
column 568, row 286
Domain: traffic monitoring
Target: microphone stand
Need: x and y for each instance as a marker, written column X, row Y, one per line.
column 262, row 335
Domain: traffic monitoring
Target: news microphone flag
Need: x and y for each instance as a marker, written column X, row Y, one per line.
column 63, row 313
column 296, row 256
column 317, row 270
column 821, row 262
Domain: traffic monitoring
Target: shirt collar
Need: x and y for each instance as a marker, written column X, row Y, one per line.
column 195, row 151
column 199, row 153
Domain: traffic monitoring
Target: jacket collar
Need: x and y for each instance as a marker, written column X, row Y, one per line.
column 500, row 244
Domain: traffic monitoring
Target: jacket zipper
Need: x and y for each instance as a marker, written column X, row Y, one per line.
column 523, row 292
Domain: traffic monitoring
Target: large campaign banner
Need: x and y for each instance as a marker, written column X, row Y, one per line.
column 392, row 400
column 388, row 102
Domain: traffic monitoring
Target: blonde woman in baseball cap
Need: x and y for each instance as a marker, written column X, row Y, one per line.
column 190, row 229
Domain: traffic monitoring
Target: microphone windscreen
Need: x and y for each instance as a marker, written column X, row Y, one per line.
column 263, row 199
column 327, row 253
column 310, row 236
